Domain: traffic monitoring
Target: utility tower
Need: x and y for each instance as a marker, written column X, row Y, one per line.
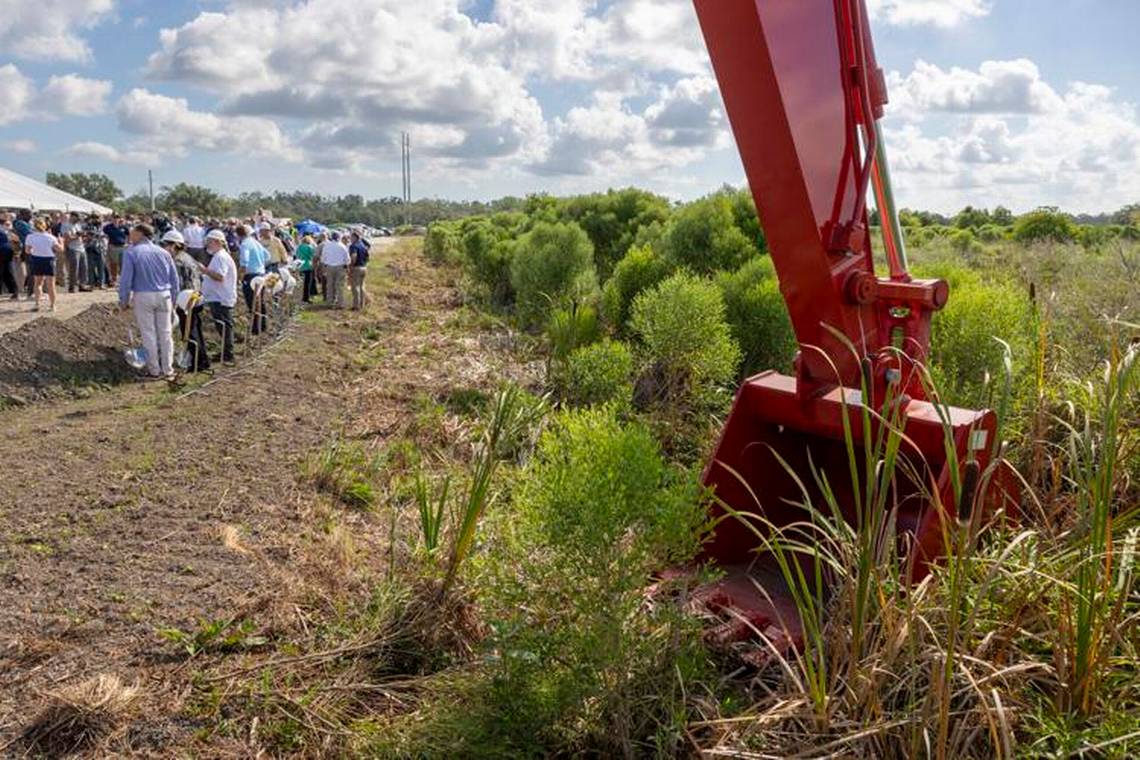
column 406, row 164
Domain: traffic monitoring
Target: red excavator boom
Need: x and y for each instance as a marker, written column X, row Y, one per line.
column 804, row 95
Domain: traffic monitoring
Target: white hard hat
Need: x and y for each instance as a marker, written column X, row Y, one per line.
column 187, row 299
column 174, row 236
column 288, row 282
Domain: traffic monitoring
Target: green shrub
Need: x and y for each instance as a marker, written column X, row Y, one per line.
column 1045, row 224
column 641, row 268
column 599, row 374
column 963, row 241
column 681, row 324
column 571, row 328
column 703, row 236
column 963, row 346
column 582, row 661
column 758, row 317
column 613, row 221
column 442, row 244
column 552, row 264
column 488, row 254
column 1094, row 236
column 992, row 233
column 745, row 216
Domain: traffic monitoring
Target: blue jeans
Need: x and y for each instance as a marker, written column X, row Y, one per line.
column 76, row 269
column 97, row 268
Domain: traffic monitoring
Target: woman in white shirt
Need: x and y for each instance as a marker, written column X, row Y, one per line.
column 42, row 248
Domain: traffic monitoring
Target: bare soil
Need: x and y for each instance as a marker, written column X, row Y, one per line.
column 15, row 314
column 145, row 508
column 49, row 357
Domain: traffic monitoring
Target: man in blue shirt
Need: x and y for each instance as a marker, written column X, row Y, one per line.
column 149, row 283
column 7, row 256
column 23, row 227
column 252, row 260
column 117, row 234
column 358, row 267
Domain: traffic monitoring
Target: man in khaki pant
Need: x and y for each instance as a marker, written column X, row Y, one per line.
column 335, row 258
column 357, row 269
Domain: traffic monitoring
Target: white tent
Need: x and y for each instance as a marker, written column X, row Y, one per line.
column 18, row 191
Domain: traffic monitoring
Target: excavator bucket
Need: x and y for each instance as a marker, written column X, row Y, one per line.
column 768, row 472
column 804, row 94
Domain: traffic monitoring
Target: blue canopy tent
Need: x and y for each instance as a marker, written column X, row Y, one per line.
column 309, row 227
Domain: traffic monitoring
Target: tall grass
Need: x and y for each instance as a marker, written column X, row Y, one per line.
column 432, row 507
column 514, row 417
column 954, row 665
column 1094, row 603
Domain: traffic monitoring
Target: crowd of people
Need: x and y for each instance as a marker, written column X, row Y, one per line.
column 168, row 268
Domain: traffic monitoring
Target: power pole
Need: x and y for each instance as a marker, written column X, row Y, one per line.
column 406, row 165
column 150, row 181
column 406, row 169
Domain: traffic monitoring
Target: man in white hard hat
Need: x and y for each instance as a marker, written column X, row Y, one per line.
column 219, row 290
column 188, row 277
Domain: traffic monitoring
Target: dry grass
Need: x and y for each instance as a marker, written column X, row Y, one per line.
column 77, row 718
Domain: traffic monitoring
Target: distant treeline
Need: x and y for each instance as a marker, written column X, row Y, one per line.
column 392, row 211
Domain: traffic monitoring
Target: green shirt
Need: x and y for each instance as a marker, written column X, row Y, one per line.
column 305, row 256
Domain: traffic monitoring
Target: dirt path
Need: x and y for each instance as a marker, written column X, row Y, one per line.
column 141, row 509
column 14, row 314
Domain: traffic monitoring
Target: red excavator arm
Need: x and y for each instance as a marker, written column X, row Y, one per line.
column 804, row 95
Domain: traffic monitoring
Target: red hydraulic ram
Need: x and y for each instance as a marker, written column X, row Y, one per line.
column 804, row 94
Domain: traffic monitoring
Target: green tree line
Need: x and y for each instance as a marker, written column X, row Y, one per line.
column 964, row 227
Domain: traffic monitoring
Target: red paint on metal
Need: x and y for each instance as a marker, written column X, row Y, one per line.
column 802, row 91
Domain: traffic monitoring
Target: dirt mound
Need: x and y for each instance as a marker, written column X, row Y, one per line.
column 49, row 358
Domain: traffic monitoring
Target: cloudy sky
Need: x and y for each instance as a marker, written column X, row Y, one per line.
column 1017, row 102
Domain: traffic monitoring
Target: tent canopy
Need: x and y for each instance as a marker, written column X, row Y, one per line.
column 309, row 227
column 18, row 191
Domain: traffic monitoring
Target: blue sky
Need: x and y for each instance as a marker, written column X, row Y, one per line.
column 1015, row 102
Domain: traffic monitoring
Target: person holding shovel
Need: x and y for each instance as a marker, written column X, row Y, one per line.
column 148, row 284
column 219, row 291
column 252, row 261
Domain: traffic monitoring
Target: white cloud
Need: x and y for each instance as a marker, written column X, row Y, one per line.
column 16, row 94
column 66, row 95
column 621, row 45
column 996, row 87
column 110, row 153
column 688, row 115
column 47, row 30
column 166, row 125
column 463, row 88
column 959, row 139
column 72, row 95
column 608, row 139
column 943, row 13
column 421, row 65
